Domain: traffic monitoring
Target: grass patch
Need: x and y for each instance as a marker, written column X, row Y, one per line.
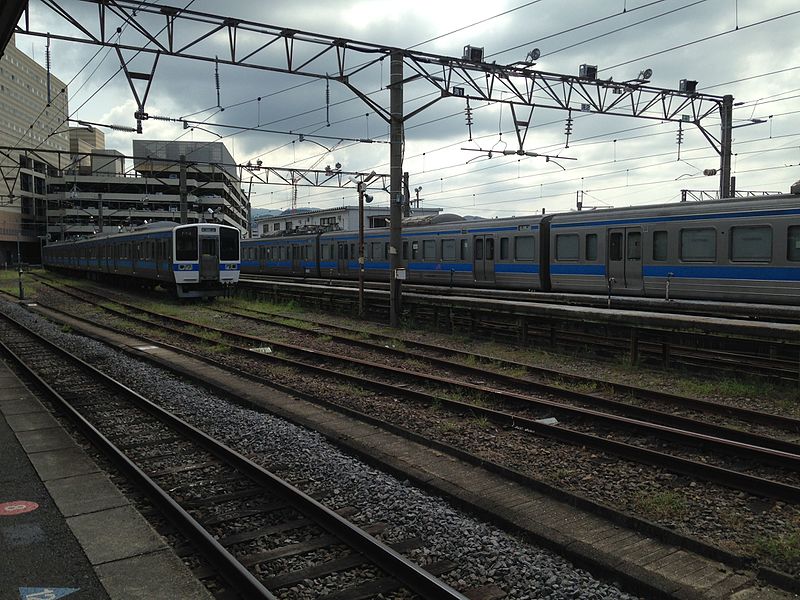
column 218, row 349
column 784, row 550
column 661, row 505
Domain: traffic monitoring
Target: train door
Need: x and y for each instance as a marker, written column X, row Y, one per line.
column 341, row 257
column 483, row 257
column 297, row 262
column 209, row 258
column 625, row 258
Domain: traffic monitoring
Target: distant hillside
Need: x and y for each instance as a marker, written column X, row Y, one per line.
column 265, row 212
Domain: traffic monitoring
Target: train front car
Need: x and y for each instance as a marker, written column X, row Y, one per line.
column 205, row 259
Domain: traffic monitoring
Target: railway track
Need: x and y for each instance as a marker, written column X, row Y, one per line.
column 776, row 313
column 541, row 466
column 737, row 458
column 561, row 326
column 201, row 485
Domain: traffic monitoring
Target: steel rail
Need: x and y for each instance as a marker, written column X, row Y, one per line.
column 664, row 418
column 787, row 458
column 593, row 398
column 755, row 485
column 408, row 573
column 230, row 568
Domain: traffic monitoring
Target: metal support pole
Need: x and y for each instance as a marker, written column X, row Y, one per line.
column 395, row 184
column 182, row 188
column 19, row 268
column 726, row 140
column 361, row 187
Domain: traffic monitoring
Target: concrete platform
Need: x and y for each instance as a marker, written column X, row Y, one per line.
column 84, row 540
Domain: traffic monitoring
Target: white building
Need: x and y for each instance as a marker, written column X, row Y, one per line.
column 342, row 218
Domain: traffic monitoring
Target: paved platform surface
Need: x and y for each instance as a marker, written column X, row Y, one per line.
column 648, row 566
column 65, row 529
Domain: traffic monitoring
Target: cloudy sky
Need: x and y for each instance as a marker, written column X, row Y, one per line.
column 746, row 48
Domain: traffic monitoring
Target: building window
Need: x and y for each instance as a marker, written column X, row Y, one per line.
column 276, row 227
column 379, row 221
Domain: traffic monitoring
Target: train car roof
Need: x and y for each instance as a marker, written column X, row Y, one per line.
column 154, row 227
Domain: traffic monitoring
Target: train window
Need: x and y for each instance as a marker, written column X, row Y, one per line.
column 405, row 250
column 353, row 251
column 448, row 249
column 414, row 250
column 660, row 245
column 376, row 250
column 489, row 248
column 567, row 246
column 751, row 243
column 793, row 241
column 228, row 244
column 385, row 250
column 504, row 248
column 478, row 249
column 634, row 251
column 429, row 249
column 524, row 247
column 699, row 244
column 615, row 246
column 591, row 246
column 186, row 244
column 464, row 249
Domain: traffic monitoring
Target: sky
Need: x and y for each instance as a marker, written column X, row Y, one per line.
column 746, row 48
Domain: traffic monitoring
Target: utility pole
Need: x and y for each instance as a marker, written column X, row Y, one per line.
column 726, row 115
column 182, row 188
column 362, row 186
column 395, row 183
column 100, row 212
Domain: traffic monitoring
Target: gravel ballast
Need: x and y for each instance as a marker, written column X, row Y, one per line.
column 483, row 553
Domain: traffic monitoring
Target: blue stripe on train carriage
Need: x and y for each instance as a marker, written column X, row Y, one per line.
column 764, row 273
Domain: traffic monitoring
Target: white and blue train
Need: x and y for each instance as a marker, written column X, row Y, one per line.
column 198, row 260
column 742, row 249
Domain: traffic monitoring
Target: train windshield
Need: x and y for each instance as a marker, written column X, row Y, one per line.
column 228, row 244
column 186, row 244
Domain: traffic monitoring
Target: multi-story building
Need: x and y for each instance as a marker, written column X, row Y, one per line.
column 33, row 115
column 107, row 197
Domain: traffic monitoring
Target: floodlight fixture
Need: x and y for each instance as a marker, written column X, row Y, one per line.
column 533, row 55
column 473, row 53
column 645, row 74
column 587, row 71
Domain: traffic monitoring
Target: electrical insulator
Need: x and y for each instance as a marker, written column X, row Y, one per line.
column 679, row 139
column 468, row 117
column 568, row 128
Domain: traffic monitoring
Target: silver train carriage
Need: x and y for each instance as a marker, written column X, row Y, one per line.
column 743, row 249
column 198, row 260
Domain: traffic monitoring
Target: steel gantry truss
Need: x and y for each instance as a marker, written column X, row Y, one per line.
column 172, row 31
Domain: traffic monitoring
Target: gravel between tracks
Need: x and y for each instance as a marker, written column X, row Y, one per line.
column 483, row 553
